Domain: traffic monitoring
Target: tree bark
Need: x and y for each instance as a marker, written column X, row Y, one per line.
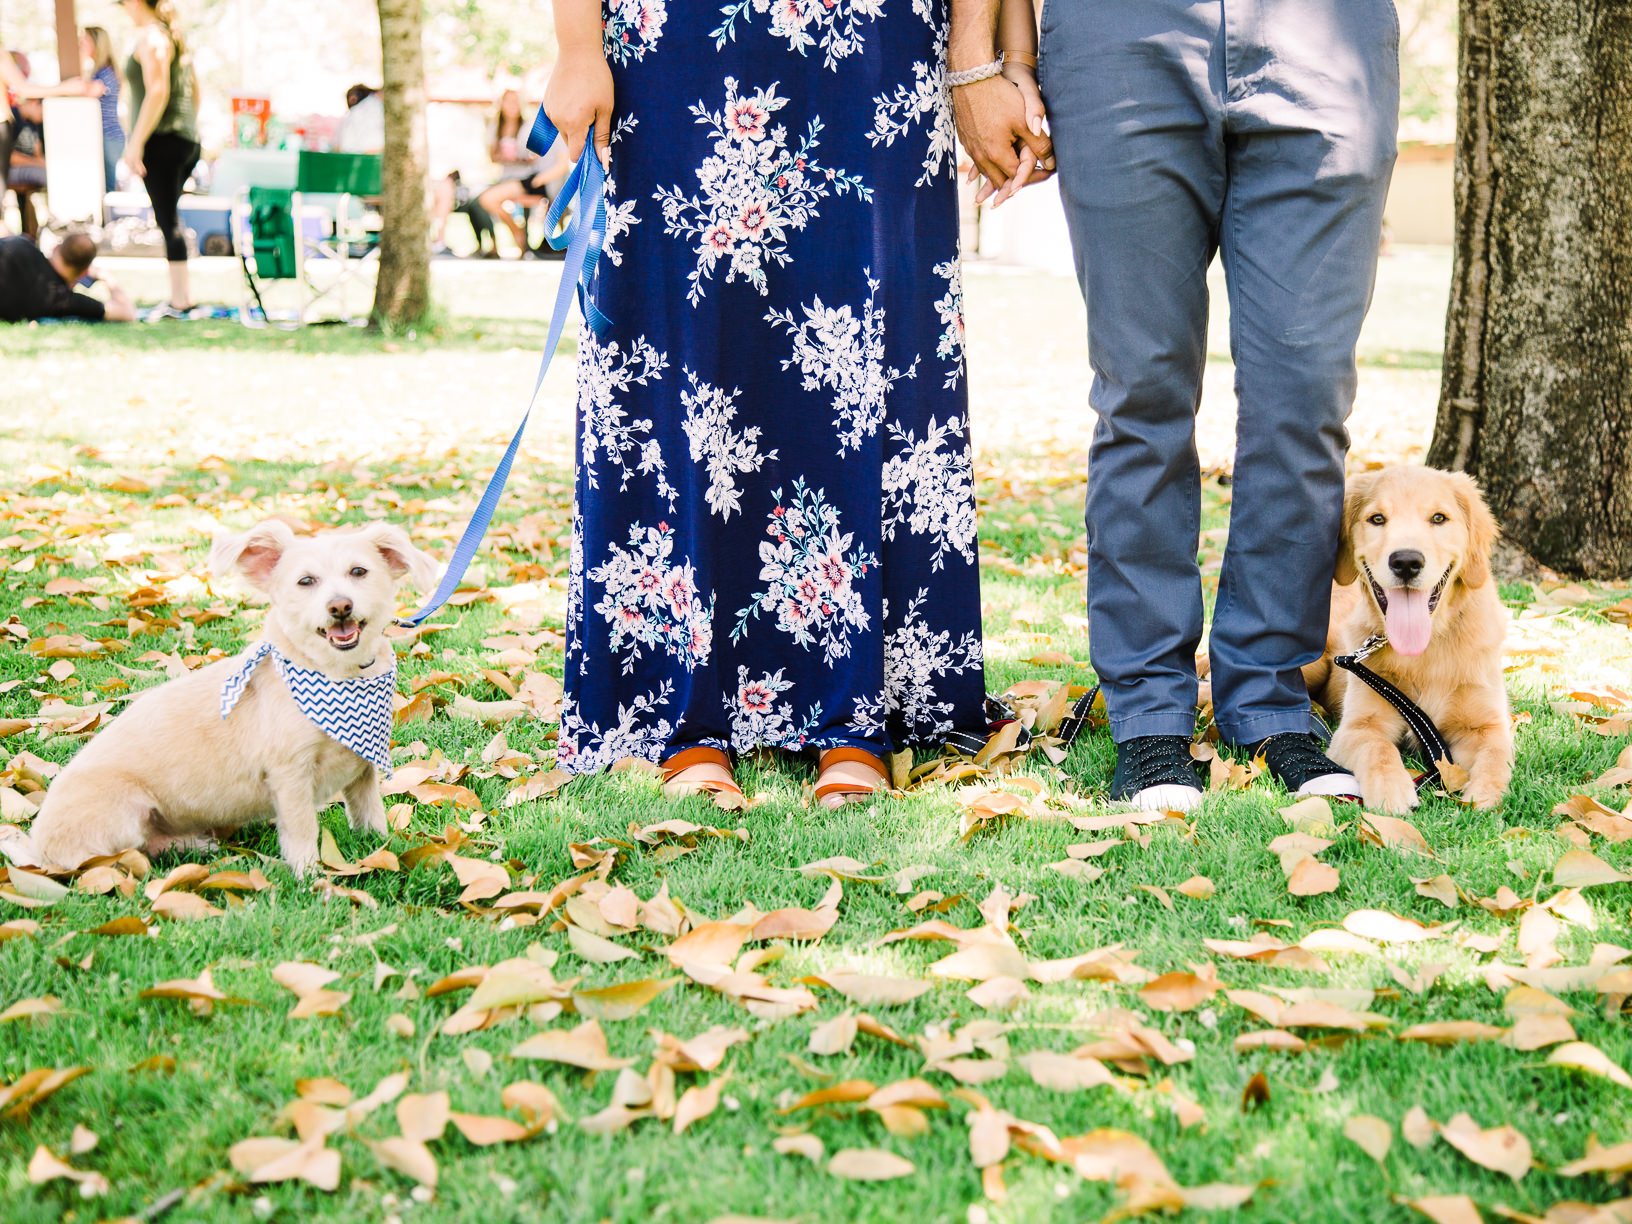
column 1536, row 394
column 402, row 295
column 67, row 41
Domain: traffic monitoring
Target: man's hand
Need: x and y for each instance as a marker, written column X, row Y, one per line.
column 120, row 309
column 997, row 131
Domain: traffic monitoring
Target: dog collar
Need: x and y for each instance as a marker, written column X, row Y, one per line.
column 354, row 713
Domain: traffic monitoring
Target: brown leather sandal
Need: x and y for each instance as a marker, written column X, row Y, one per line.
column 689, row 758
column 837, row 794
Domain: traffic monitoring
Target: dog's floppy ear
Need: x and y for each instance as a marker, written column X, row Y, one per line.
column 1482, row 530
column 1354, row 500
column 254, row 553
column 400, row 555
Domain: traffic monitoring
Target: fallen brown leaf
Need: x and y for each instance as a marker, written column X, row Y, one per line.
column 1501, row 1148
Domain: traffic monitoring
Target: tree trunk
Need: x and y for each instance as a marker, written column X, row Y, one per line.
column 67, row 41
column 403, row 294
column 1536, row 395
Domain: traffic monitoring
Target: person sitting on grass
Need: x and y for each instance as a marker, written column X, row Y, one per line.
column 37, row 286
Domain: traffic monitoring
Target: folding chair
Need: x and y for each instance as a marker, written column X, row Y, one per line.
column 314, row 235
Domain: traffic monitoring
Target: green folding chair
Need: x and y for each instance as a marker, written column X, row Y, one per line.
column 316, row 236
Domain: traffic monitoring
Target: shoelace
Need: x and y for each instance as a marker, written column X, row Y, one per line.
column 1155, row 760
column 1297, row 758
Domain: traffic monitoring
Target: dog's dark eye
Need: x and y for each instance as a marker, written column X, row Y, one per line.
column 1377, row 520
column 358, row 571
column 1438, row 519
column 308, row 580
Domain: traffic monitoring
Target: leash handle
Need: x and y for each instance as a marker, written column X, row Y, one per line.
column 582, row 239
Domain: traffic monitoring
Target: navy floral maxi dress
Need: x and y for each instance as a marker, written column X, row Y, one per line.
column 774, row 529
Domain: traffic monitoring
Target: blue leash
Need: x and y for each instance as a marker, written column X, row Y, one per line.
column 582, row 240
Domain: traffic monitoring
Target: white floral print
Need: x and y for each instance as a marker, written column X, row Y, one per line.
column 871, row 715
column 914, row 657
column 758, row 720
column 650, row 602
column 813, row 576
column 782, row 350
column 837, row 349
column 620, row 217
column 604, row 373
column 923, row 98
column 631, row 28
column 582, row 747
column 724, row 452
column 755, row 190
column 575, row 585
column 929, row 485
column 950, row 307
column 833, row 25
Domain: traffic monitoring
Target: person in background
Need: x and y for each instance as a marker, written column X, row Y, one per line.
column 534, row 188
column 28, row 162
column 163, row 147
column 37, row 286
column 14, row 81
column 96, row 49
column 11, row 77
column 452, row 196
column 362, row 127
column 509, row 148
column 508, row 151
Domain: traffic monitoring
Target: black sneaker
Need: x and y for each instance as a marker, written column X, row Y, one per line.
column 1155, row 773
column 1297, row 763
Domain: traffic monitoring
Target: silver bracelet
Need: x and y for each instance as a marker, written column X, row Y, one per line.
column 969, row 76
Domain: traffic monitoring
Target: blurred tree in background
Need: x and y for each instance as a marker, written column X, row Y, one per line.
column 1427, row 68
column 511, row 36
column 402, row 292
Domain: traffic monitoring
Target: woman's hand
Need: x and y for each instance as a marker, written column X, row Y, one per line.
column 578, row 96
column 994, row 121
column 132, row 158
column 1036, row 161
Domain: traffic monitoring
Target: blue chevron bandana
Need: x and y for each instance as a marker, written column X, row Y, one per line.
column 355, row 713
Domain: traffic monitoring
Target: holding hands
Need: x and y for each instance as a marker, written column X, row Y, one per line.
column 1000, row 118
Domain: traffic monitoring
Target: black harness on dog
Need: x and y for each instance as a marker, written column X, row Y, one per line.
column 1434, row 747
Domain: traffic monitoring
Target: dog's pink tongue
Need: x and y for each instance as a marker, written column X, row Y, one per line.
column 1407, row 620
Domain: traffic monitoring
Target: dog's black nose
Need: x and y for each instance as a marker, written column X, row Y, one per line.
column 1406, row 564
column 340, row 607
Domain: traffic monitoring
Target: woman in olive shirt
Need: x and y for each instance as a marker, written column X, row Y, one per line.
column 163, row 146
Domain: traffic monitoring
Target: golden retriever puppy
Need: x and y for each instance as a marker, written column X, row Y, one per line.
column 1414, row 563
column 179, row 763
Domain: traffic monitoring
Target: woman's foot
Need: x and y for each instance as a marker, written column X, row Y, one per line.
column 849, row 775
column 698, row 771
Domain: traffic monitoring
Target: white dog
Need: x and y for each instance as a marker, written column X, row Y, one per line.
column 236, row 741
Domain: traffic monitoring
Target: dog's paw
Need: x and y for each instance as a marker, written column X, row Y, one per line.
column 302, row 860
column 1481, row 793
column 1393, row 792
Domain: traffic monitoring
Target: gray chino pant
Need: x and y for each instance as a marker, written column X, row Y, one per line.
column 1263, row 131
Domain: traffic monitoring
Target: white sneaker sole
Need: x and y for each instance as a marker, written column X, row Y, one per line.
column 1167, row 798
column 1331, row 784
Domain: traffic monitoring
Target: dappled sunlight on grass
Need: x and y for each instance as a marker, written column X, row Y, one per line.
column 106, row 520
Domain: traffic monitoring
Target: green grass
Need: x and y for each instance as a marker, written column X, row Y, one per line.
column 236, row 1068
